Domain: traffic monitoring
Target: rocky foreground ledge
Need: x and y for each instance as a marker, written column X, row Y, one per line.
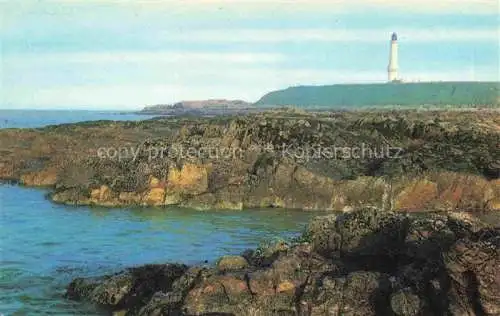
column 368, row 262
column 393, row 160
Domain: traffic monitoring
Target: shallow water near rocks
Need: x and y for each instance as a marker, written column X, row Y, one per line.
column 45, row 245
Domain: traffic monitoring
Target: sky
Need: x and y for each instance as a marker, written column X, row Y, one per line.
column 128, row 54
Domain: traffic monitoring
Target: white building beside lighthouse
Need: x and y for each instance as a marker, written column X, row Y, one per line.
column 393, row 68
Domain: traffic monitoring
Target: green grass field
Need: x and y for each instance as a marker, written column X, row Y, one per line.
column 430, row 94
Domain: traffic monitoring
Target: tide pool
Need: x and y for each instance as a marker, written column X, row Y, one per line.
column 45, row 245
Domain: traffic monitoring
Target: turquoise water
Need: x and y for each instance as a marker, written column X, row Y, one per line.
column 44, row 245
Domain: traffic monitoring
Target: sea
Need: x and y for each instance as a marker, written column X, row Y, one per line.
column 43, row 245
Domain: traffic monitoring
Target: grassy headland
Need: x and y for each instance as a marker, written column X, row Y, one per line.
column 349, row 96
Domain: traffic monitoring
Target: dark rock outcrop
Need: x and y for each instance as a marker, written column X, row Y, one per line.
column 368, row 262
column 129, row 289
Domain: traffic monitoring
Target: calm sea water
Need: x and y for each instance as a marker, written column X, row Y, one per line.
column 31, row 118
column 44, row 245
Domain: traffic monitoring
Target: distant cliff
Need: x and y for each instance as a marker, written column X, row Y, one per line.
column 461, row 94
column 196, row 106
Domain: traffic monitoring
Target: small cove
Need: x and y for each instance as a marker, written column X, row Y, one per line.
column 44, row 245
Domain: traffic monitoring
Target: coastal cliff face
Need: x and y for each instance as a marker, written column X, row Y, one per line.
column 406, row 160
column 367, row 262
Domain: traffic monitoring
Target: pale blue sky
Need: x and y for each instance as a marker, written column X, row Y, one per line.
column 125, row 54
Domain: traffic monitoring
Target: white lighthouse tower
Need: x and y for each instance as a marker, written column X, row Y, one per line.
column 392, row 69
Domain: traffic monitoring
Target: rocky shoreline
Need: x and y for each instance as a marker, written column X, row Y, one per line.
column 379, row 169
column 366, row 262
column 338, row 161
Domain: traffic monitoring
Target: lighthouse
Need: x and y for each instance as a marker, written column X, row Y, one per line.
column 392, row 69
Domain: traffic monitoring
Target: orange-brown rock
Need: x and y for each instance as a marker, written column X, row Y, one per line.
column 155, row 182
column 416, row 196
column 101, row 194
column 494, row 202
column 129, row 197
column 155, row 196
column 172, row 198
column 46, row 177
column 6, row 170
column 191, row 178
column 216, row 289
column 460, row 191
column 286, row 286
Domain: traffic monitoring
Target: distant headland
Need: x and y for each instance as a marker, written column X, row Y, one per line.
column 350, row 96
column 207, row 107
